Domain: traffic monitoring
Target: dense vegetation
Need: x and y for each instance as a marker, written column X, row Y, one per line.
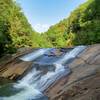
column 15, row 31
column 81, row 27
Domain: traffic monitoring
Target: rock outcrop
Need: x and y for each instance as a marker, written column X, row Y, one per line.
column 14, row 69
column 11, row 67
column 84, row 81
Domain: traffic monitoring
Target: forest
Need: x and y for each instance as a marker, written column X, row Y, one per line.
column 82, row 27
column 15, row 30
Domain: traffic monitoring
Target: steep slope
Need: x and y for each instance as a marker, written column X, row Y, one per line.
column 15, row 30
column 14, row 27
column 81, row 27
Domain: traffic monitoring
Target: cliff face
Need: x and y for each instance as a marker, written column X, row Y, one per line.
column 84, row 81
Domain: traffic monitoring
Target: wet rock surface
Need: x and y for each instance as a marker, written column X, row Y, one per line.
column 11, row 67
column 84, row 81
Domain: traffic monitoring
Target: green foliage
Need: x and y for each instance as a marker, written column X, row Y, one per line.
column 40, row 41
column 82, row 27
column 15, row 31
column 14, row 27
column 55, row 36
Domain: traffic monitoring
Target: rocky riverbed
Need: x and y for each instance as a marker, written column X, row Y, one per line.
column 82, row 83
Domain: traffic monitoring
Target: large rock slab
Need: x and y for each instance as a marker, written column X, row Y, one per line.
column 84, row 81
column 14, row 69
column 11, row 67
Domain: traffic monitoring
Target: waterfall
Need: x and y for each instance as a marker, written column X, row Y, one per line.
column 60, row 71
column 71, row 54
column 34, row 83
column 32, row 56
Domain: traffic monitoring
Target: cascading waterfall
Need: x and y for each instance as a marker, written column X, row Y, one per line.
column 32, row 56
column 34, row 83
column 71, row 54
column 60, row 70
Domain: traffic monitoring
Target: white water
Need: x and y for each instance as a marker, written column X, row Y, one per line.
column 71, row 54
column 34, row 82
column 32, row 56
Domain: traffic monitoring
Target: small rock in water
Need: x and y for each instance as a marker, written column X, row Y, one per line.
column 54, row 52
column 64, row 50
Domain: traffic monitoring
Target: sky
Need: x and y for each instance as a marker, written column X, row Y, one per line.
column 41, row 14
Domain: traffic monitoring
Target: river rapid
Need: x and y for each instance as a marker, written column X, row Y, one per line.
column 45, row 71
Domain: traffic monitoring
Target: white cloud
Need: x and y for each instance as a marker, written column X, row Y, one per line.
column 41, row 27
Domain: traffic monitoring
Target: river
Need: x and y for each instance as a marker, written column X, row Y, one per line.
column 45, row 71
